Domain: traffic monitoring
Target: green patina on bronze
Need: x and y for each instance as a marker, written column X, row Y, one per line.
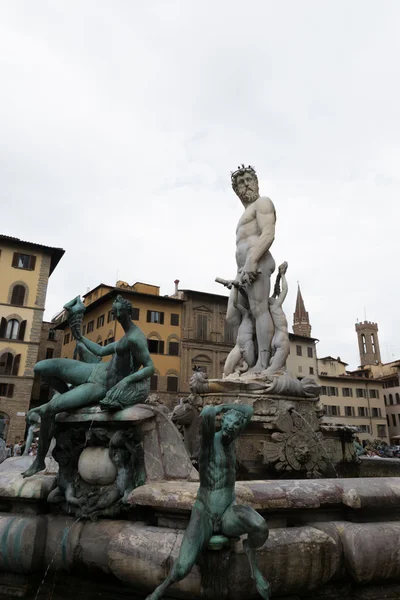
column 215, row 513
column 117, row 384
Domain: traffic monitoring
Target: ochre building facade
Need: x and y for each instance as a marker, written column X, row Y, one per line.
column 25, row 268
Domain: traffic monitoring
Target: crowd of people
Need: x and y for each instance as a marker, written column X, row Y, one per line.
column 18, row 449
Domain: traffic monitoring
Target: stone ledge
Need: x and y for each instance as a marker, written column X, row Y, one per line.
column 13, row 485
column 355, row 493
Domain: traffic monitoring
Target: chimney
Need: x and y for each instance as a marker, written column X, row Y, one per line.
column 176, row 282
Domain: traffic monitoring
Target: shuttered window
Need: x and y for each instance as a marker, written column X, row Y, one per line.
column 24, row 261
column 18, row 295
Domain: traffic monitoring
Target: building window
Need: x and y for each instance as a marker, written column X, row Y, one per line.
column 364, row 345
column 100, row 321
column 310, row 352
column 135, row 313
column 49, row 352
column 172, row 383
column 9, row 365
column 110, row 316
column 365, row 428
column 373, row 343
column 18, row 295
column 397, row 398
column 229, row 333
column 376, row 412
column 202, row 322
column 347, row 392
column 153, row 383
column 381, row 431
column 311, row 369
column 174, row 319
column 109, row 341
column 298, row 351
column 362, row 411
column 398, row 415
column 385, row 399
column 83, row 329
column 332, row 411
column 66, row 338
column 333, row 391
column 360, row 393
column 7, row 390
column 12, row 329
column 24, row 261
column 173, row 348
column 52, row 335
column 153, row 316
column 374, row 393
column 155, row 346
column 349, row 411
column 323, row 390
column 394, row 420
column 390, row 399
column 90, row 326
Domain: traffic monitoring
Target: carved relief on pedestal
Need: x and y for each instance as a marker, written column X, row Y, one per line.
column 298, row 445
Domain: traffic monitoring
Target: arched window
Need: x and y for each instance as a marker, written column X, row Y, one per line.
column 172, row 383
column 385, row 399
column 390, row 399
column 9, row 364
column 364, row 344
column 397, row 398
column 373, row 343
column 12, row 329
column 18, row 295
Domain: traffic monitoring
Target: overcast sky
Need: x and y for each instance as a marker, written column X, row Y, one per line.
column 121, row 122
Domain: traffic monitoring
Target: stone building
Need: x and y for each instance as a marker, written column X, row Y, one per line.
column 347, row 398
column 49, row 347
column 25, row 268
column 159, row 317
column 352, row 399
column 207, row 338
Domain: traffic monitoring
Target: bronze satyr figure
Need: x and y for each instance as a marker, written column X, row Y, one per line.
column 215, row 511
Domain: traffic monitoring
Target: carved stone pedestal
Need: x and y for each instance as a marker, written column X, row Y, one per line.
column 287, row 438
column 103, row 456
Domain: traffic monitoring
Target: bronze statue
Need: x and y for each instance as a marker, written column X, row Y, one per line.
column 121, row 382
column 215, row 511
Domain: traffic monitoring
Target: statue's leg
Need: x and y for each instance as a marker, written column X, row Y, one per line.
column 238, row 520
column 60, row 371
column 45, row 435
column 83, row 395
column 258, row 294
column 197, row 535
column 233, row 359
column 78, row 397
column 249, row 353
column 233, row 316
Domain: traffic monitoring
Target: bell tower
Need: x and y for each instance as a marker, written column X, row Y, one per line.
column 301, row 321
column 368, row 343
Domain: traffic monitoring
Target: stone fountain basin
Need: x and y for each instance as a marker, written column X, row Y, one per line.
column 321, row 531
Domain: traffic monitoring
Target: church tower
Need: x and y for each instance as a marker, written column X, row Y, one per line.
column 368, row 343
column 301, row 321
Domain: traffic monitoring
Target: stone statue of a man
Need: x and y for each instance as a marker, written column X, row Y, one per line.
column 254, row 235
